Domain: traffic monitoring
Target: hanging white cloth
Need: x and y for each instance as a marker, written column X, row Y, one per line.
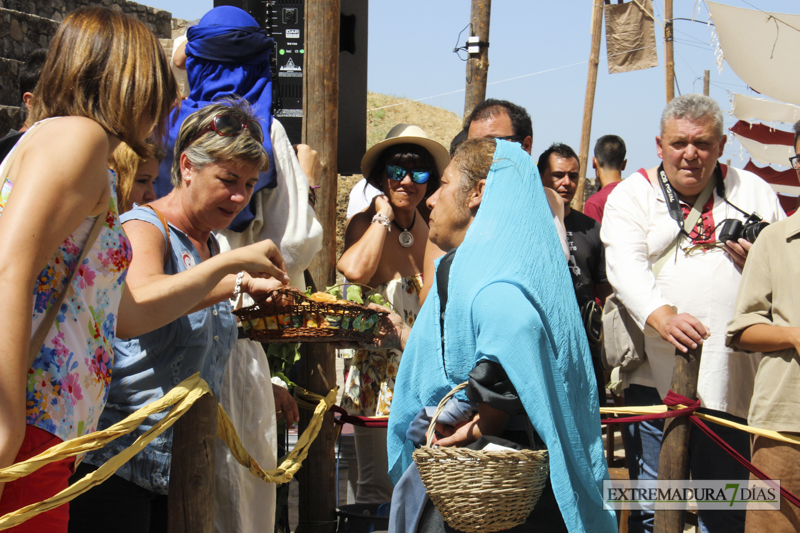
column 761, row 48
column 242, row 502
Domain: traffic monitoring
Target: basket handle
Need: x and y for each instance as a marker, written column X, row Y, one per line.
column 366, row 287
column 440, row 408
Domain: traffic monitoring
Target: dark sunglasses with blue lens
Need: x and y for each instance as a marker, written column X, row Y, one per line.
column 397, row 173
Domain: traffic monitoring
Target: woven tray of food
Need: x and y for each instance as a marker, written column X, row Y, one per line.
column 293, row 316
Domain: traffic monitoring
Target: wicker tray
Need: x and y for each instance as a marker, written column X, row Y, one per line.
column 481, row 491
column 292, row 317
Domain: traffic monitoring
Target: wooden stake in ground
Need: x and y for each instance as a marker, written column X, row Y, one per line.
column 588, row 104
column 675, row 445
column 478, row 63
column 320, row 125
column 191, row 474
column 669, row 62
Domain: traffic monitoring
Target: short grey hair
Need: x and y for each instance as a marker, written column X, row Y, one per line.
column 694, row 107
column 211, row 147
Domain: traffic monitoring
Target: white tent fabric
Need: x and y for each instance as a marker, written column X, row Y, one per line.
column 750, row 108
column 767, row 154
column 786, row 189
column 761, row 48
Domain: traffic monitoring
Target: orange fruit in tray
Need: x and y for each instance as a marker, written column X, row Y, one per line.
column 322, row 297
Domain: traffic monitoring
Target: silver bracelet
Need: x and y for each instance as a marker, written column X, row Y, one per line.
column 383, row 221
column 237, row 290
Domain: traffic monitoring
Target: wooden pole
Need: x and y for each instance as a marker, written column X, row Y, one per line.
column 588, row 104
column 191, row 474
column 670, row 55
column 706, row 82
column 674, row 458
column 478, row 64
column 320, row 126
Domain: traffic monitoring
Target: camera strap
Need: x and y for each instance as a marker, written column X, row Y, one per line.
column 674, row 205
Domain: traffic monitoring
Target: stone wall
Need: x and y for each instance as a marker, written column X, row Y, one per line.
column 26, row 25
column 159, row 21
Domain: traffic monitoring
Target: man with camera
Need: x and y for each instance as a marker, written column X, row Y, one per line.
column 678, row 220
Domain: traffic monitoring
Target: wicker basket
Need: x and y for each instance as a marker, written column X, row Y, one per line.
column 292, row 317
column 481, row 491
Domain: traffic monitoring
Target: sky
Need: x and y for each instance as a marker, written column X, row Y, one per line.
column 538, row 57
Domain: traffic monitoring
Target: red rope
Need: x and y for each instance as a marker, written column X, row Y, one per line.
column 674, row 399
column 363, row 421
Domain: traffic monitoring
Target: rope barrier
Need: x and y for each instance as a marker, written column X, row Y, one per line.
column 180, row 398
column 363, row 421
column 678, row 405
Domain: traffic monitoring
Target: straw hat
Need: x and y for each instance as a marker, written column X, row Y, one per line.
column 406, row 134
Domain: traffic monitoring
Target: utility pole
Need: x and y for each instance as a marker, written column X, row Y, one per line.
column 320, row 130
column 670, row 55
column 588, row 104
column 478, row 48
column 706, row 82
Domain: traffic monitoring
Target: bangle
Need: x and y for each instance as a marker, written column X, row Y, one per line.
column 383, row 221
column 314, row 187
column 237, row 290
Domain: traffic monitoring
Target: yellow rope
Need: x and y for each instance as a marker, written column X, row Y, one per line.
column 180, row 399
column 647, row 410
column 287, row 469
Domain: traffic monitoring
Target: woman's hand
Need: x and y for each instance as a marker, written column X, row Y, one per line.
column 383, row 207
column 260, row 259
column 461, row 435
column 285, row 406
column 259, row 288
column 309, row 163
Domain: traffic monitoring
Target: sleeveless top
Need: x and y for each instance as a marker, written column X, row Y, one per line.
column 148, row 366
column 68, row 382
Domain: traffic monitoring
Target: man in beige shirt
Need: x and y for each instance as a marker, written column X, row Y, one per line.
column 767, row 320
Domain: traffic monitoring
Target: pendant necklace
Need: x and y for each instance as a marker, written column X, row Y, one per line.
column 405, row 238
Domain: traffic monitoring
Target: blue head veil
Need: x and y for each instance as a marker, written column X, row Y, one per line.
column 512, row 248
column 227, row 55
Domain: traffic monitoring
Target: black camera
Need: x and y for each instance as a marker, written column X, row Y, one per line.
column 733, row 230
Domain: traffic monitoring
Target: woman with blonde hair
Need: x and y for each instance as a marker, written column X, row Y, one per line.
column 218, row 158
column 63, row 254
column 135, row 175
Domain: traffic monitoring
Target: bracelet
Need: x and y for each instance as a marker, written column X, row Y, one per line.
column 383, row 221
column 237, row 290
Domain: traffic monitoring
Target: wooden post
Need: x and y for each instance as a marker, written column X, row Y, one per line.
column 191, row 474
column 706, row 82
column 669, row 55
column 320, row 125
column 588, row 104
column 674, row 458
column 478, row 64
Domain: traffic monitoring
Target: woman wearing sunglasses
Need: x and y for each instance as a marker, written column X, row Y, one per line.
column 384, row 249
column 218, row 157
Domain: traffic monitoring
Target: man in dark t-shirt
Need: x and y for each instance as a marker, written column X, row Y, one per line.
column 559, row 167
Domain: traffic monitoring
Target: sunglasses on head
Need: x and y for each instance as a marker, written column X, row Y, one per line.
column 397, row 173
column 230, row 126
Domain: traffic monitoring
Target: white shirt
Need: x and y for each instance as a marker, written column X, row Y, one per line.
column 636, row 229
column 361, row 196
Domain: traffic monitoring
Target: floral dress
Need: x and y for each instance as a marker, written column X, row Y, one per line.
column 68, row 382
column 370, row 384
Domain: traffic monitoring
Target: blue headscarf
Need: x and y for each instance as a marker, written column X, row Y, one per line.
column 227, row 55
column 510, row 300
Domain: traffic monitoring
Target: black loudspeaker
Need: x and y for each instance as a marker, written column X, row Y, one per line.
column 352, row 85
column 285, row 20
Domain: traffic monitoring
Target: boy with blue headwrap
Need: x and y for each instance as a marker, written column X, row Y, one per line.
column 504, row 318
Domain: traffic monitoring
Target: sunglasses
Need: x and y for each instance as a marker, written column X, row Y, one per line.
column 230, row 126
column 397, row 173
